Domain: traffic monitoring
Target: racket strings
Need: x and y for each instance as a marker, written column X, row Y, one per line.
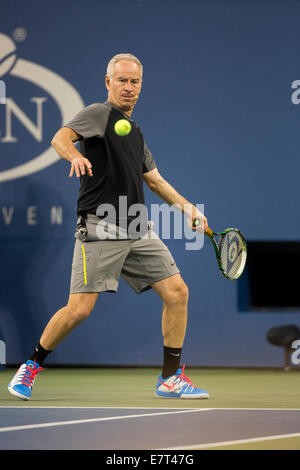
column 233, row 254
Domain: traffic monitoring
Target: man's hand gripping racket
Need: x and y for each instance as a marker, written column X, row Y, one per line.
column 230, row 249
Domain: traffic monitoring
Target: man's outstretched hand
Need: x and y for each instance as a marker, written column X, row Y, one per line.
column 80, row 166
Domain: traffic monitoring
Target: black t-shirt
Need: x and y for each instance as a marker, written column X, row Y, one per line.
column 118, row 162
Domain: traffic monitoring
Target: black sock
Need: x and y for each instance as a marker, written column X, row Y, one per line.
column 39, row 354
column 171, row 361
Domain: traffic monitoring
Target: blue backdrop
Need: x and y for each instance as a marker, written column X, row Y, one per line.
column 219, row 111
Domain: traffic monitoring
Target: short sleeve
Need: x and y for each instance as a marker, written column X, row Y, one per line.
column 90, row 121
column 148, row 162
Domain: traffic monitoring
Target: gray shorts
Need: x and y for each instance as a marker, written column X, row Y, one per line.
column 98, row 263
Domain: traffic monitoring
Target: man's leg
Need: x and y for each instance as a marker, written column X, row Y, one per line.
column 174, row 294
column 173, row 383
column 67, row 318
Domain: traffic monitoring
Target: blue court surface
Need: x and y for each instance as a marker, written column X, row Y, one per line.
column 95, row 428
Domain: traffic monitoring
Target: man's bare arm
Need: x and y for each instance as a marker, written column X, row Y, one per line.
column 63, row 143
column 164, row 190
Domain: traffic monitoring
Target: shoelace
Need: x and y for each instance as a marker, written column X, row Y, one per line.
column 30, row 375
column 184, row 378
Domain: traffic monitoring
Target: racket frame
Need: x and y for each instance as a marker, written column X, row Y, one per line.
column 211, row 234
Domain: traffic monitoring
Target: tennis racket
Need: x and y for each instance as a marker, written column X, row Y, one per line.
column 230, row 249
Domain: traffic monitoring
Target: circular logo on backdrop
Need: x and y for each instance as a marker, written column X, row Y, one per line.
column 62, row 92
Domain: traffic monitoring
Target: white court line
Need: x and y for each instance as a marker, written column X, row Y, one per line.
column 94, row 420
column 236, row 442
column 103, row 407
column 22, row 407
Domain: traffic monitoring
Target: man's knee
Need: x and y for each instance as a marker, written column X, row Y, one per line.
column 80, row 306
column 80, row 313
column 178, row 294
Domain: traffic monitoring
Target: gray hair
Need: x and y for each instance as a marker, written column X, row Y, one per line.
column 117, row 58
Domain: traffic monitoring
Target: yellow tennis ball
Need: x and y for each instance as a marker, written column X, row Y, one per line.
column 122, row 127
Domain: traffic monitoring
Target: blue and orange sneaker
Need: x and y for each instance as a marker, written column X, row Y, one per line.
column 178, row 386
column 23, row 380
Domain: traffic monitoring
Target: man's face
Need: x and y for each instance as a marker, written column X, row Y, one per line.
column 125, row 85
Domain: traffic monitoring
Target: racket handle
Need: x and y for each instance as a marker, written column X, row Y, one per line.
column 197, row 222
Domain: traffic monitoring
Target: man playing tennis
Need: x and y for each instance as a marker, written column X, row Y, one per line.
column 110, row 166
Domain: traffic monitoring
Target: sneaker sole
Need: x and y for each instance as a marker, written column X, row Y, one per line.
column 185, row 397
column 17, row 394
